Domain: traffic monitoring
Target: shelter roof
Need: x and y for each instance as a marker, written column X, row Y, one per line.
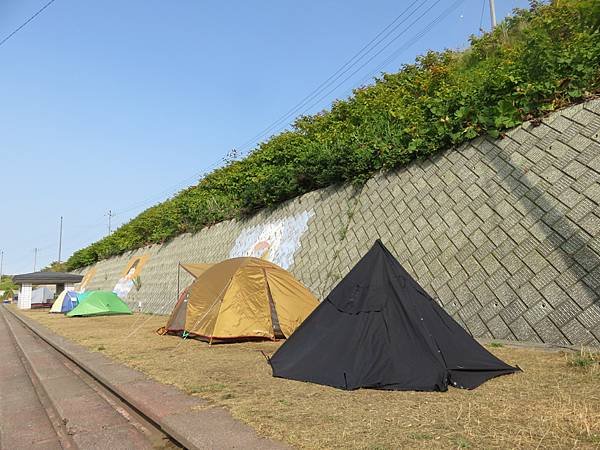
column 47, row 278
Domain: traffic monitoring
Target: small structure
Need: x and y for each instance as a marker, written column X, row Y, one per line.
column 26, row 281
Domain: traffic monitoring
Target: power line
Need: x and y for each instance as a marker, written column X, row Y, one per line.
column 152, row 199
column 415, row 38
column 381, row 50
column 481, row 18
column 376, row 54
column 24, row 24
column 362, row 53
column 103, row 223
column 371, row 45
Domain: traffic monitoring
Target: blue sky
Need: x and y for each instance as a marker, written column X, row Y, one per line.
column 118, row 105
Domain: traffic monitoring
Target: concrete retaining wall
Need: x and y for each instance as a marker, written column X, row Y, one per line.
column 505, row 233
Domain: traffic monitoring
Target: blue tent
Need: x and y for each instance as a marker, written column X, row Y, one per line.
column 69, row 302
column 65, row 302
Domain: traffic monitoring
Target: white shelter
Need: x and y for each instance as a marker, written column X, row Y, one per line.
column 61, row 280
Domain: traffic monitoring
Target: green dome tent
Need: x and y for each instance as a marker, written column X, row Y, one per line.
column 81, row 297
column 100, row 303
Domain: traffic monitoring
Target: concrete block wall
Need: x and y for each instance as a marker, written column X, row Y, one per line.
column 504, row 233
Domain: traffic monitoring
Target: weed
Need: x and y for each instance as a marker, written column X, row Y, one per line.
column 419, row 436
column 461, row 442
column 584, row 360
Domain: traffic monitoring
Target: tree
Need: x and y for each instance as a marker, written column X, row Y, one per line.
column 6, row 284
column 55, row 266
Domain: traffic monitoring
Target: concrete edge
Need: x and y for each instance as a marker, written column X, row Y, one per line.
column 45, row 400
column 182, row 431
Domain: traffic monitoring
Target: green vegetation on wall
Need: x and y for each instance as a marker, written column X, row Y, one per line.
column 534, row 62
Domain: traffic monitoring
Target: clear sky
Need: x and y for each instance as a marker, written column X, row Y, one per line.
column 119, row 104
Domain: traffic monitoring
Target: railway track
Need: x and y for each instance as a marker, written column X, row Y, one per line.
column 48, row 401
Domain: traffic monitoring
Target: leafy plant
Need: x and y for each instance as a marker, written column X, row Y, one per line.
column 55, row 266
column 534, row 62
column 6, row 284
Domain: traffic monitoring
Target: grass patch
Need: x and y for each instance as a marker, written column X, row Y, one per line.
column 420, row 436
column 217, row 387
column 553, row 404
column 461, row 442
column 584, row 360
column 496, row 345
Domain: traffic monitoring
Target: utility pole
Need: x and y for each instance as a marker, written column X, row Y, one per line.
column 60, row 239
column 110, row 216
column 493, row 13
column 35, row 252
column 1, row 263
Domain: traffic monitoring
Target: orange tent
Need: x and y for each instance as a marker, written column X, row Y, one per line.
column 196, row 270
column 176, row 322
column 242, row 298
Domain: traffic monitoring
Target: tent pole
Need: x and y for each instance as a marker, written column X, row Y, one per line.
column 177, row 296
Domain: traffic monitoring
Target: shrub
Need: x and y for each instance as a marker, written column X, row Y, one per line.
column 534, row 62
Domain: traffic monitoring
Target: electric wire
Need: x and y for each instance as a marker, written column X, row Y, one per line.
column 371, row 45
column 481, row 18
column 356, row 58
column 381, row 50
column 415, row 38
column 24, row 24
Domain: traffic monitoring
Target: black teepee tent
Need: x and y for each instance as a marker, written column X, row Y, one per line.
column 379, row 329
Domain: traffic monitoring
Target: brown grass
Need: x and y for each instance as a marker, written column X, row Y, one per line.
column 554, row 403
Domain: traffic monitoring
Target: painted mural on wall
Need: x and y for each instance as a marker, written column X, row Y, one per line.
column 131, row 272
column 275, row 241
column 86, row 279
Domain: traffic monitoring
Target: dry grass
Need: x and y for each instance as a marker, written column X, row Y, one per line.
column 555, row 403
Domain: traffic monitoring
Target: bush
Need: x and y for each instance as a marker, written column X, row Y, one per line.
column 534, row 62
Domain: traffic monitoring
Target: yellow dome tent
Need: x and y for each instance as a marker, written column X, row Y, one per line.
column 242, row 298
column 176, row 322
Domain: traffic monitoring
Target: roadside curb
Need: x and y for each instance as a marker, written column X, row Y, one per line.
column 191, row 421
